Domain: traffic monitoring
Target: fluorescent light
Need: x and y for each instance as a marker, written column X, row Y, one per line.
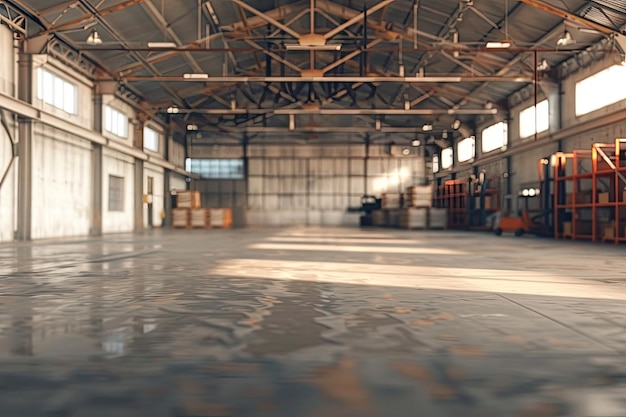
column 195, row 76
column 416, row 143
column 499, row 45
column 173, row 110
column 162, row 45
column 192, row 127
column 427, row 128
column 327, row 47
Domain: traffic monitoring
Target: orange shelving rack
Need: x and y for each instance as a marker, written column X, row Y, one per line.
column 589, row 202
column 453, row 196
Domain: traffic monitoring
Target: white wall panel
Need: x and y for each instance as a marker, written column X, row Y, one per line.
column 8, row 58
column 158, row 199
column 119, row 165
column 61, row 201
column 8, row 191
column 177, row 182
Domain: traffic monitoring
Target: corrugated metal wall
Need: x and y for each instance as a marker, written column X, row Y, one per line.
column 308, row 184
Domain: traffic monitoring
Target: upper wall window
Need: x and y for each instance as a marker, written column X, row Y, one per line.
column 54, row 90
column 466, row 149
column 231, row 169
column 150, row 139
column 115, row 122
column 534, row 120
column 494, row 137
column 435, row 163
column 447, row 158
column 601, row 89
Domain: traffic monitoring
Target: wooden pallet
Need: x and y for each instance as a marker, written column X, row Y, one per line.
column 181, row 218
column 188, row 199
column 200, row 218
column 221, row 218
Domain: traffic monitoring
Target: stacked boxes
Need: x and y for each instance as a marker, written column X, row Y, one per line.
column 222, row 217
column 391, row 201
column 418, row 196
column 189, row 213
column 188, row 199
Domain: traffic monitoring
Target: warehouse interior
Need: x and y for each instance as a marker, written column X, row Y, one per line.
column 297, row 207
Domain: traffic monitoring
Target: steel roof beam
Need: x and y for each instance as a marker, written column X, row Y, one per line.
column 266, row 17
column 342, row 79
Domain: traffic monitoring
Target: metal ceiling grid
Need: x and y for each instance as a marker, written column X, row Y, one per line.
column 128, row 25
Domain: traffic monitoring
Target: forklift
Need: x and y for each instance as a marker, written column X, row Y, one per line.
column 535, row 207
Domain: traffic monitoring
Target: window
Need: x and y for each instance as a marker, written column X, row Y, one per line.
column 495, row 137
column 601, row 89
column 529, row 125
column 150, row 139
column 466, row 149
column 435, row 163
column 57, row 92
column 231, row 169
column 116, row 193
column 447, row 158
column 115, row 122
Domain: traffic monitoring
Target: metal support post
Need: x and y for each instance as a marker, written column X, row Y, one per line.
column 97, row 191
column 138, row 195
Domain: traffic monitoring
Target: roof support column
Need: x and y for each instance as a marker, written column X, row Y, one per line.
column 24, row 148
column 139, row 190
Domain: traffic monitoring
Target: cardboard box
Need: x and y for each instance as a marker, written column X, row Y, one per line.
column 567, row 228
column 603, row 198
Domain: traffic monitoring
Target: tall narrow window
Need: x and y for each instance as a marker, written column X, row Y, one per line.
column 116, row 193
column 466, row 149
column 601, row 89
column 494, row 137
column 55, row 91
column 534, row 119
column 447, row 158
column 150, row 139
column 435, row 163
column 115, row 122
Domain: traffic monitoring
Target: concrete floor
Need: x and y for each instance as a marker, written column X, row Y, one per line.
column 312, row 322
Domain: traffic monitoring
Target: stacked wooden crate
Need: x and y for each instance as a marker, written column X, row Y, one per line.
column 418, row 212
column 200, row 217
column 186, row 203
column 221, row 218
column 414, row 218
column 418, row 196
column 391, row 201
column 189, row 213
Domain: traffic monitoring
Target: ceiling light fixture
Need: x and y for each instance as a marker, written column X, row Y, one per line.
column 456, row 124
column 427, row 127
column 195, row 76
column 173, row 110
column 299, row 47
column 499, row 45
column 94, row 38
column 566, row 39
column 543, row 65
column 192, row 127
column 415, row 143
column 162, row 45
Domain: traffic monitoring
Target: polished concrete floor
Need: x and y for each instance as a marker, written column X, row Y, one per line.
column 312, row 322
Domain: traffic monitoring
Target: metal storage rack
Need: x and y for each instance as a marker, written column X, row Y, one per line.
column 590, row 202
column 453, row 196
